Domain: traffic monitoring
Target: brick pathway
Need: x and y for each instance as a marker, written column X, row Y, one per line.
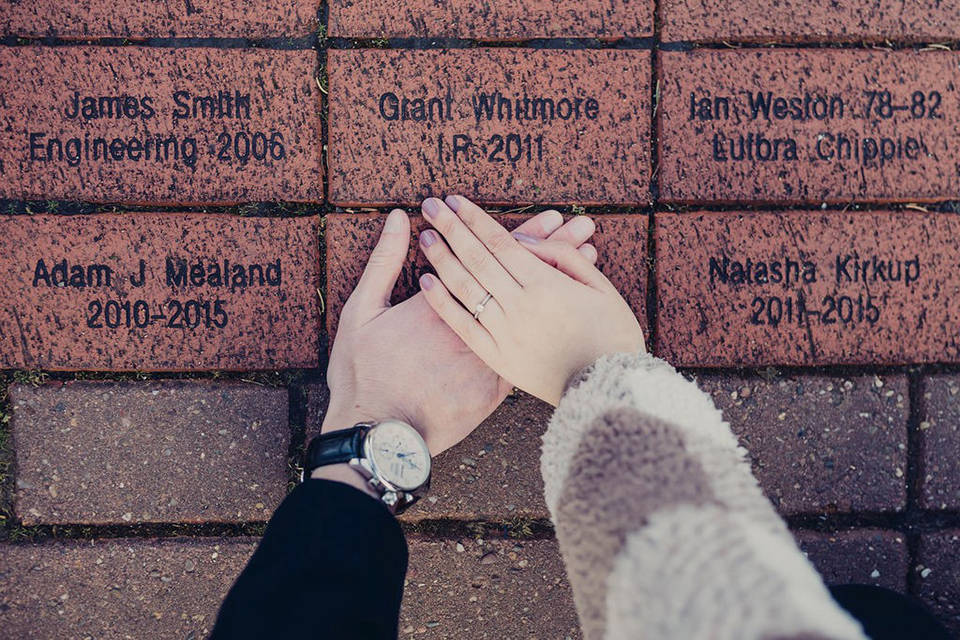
column 189, row 194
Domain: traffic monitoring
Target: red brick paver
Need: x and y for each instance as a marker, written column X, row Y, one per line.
column 807, row 288
column 159, row 292
column 480, row 589
column 809, row 20
column 860, row 556
column 495, row 473
column 621, row 242
column 125, row 453
column 501, row 20
column 195, row 18
column 821, row 444
column 202, row 126
column 117, row 588
column 940, row 443
column 808, row 126
column 502, row 125
column 938, row 575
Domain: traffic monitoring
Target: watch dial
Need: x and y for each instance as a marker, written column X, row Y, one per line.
column 399, row 454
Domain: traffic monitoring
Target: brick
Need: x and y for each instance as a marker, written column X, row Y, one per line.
column 510, row 20
column 621, row 242
column 124, row 588
column 825, row 312
column 859, row 556
column 940, row 443
column 180, row 135
column 489, row 589
column 196, row 18
column 829, row 115
column 821, row 444
column 405, row 109
column 170, row 451
column 494, row 474
column 938, row 576
column 116, row 310
column 805, row 21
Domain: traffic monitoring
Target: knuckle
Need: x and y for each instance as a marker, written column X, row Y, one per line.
column 463, row 289
column 445, row 224
column 439, row 303
column 500, row 241
column 380, row 257
column 475, row 260
column 467, row 211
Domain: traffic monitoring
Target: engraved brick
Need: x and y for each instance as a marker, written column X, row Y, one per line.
column 621, row 242
column 499, row 20
column 809, row 21
column 147, row 291
column 501, row 125
column 804, row 288
column 194, row 18
column 938, row 565
column 940, row 443
column 170, row 451
column 808, row 126
column 821, row 444
column 482, row 589
column 159, row 125
column 123, row 588
column 859, row 556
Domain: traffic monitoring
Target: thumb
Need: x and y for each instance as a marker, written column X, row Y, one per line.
column 383, row 268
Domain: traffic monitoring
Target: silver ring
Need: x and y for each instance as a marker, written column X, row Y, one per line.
column 479, row 309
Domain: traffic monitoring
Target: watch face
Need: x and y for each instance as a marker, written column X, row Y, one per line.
column 399, row 455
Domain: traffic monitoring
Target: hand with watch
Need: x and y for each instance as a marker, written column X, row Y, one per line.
column 404, row 381
column 391, row 456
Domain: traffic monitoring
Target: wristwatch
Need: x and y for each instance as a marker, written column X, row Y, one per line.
column 390, row 454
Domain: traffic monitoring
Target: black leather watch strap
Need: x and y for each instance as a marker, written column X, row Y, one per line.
column 333, row 448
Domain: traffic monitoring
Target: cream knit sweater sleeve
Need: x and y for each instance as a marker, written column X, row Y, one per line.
column 664, row 531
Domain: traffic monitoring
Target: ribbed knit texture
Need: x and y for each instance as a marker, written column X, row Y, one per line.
column 665, row 533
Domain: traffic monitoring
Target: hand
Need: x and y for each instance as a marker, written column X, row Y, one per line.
column 544, row 323
column 403, row 362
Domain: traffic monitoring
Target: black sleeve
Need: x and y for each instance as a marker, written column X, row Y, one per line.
column 331, row 565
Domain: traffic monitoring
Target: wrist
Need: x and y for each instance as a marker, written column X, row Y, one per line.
column 344, row 416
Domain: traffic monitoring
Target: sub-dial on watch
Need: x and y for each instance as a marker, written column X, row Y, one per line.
column 390, row 454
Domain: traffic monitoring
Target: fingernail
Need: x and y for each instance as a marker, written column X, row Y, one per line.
column 394, row 223
column 581, row 226
column 431, row 207
column 426, row 282
column 524, row 238
column 453, row 202
column 427, row 238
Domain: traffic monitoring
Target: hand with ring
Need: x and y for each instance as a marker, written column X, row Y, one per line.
column 402, row 361
column 536, row 311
